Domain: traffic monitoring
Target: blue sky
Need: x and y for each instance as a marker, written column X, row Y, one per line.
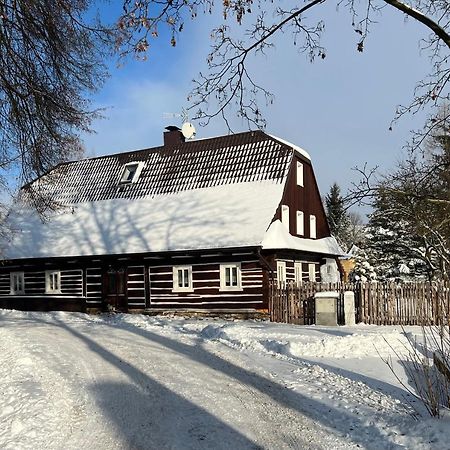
column 338, row 109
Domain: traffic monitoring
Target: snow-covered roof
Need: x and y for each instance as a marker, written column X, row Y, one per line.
column 208, row 194
column 278, row 237
column 198, row 164
column 295, row 147
column 223, row 216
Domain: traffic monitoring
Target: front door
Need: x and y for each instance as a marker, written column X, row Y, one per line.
column 114, row 289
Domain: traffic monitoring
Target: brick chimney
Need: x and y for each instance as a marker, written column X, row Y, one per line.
column 173, row 136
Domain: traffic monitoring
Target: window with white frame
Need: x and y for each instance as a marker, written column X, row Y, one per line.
column 182, row 278
column 52, row 282
column 17, row 283
column 285, row 216
column 230, row 277
column 312, row 272
column 312, row 227
column 281, row 273
column 298, row 273
column 299, row 173
column 131, row 172
column 300, row 223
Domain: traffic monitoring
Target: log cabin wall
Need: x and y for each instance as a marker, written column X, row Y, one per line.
column 308, row 266
column 70, row 297
column 206, row 289
column 149, row 283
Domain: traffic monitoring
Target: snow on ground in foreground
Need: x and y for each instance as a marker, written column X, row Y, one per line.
column 69, row 380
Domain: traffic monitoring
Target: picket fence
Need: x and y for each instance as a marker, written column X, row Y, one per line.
column 413, row 303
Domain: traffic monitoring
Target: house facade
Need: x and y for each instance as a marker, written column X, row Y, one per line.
column 204, row 224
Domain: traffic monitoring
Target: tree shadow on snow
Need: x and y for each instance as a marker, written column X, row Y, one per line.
column 147, row 414
column 357, row 429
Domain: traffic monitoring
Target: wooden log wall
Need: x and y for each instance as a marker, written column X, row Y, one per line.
column 71, row 283
column 206, row 292
column 290, row 269
column 94, row 287
column 136, row 292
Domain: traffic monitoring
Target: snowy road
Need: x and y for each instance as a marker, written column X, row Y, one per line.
column 71, row 381
column 103, row 386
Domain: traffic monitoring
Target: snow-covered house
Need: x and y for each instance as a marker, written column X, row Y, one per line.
column 200, row 224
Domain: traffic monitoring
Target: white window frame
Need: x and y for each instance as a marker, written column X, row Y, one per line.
column 176, row 287
column 300, row 223
column 48, row 282
column 281, row 274
column 300, row 174
column 285, row 216
column 12, row 283
column 312, row 226
column 298, row 273
column 139, row 166
column 312, row 272
column 223, row 269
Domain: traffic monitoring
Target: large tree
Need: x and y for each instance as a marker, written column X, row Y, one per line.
column 50, row 62
column 230, row 85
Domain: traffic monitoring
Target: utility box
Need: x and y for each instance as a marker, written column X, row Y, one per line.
column 326, row 308
column 349, row 307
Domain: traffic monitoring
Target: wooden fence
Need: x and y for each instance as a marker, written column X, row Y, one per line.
column 375, row 303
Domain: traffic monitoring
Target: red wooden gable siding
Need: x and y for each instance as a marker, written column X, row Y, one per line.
column 304, row 198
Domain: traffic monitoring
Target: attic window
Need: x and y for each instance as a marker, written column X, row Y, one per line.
column 130, row 173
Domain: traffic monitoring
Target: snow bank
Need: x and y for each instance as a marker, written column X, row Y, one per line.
column 309, row 342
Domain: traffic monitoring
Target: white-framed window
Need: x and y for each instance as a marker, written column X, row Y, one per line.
column 312, row 227
column 230, row 277
column 52, row 282
column 298, row 273
column 182, row 279
column 312, row 272
column 281, row 273
column 300, row 176
column 130, row 172
column 17, row 283
column 285, row 216
column 300, row 223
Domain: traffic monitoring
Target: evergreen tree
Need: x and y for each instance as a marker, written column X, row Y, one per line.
column 392, row 246
column 337, row 216
column 409, row 230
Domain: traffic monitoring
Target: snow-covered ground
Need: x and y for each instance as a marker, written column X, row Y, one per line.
column 73, row 381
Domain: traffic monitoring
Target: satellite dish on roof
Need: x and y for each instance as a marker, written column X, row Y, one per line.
column 188, row 130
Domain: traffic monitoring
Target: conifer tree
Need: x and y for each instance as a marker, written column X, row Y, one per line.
column 337, row 216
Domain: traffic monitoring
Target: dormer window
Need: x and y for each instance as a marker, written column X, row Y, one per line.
column 131, row 172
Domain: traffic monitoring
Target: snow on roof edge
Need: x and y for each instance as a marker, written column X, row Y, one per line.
column 278, row 237
column 290, row 144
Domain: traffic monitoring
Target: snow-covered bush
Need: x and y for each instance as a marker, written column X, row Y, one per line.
column 363, row 270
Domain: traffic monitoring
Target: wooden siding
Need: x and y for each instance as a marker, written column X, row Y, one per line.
column 135, row 286
column 304, row 198
column 206, row 292
column 71, row 283
column 148, row 282
column 94, row 287
column 290, row 269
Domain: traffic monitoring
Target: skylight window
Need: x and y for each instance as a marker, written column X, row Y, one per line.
column 130, row 173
